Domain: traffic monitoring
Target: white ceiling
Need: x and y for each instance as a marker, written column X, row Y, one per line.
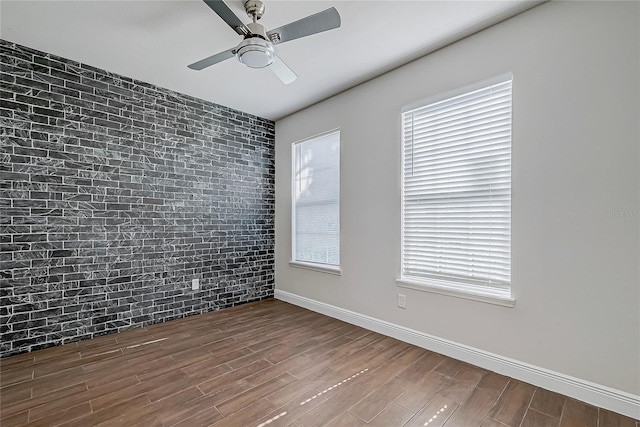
column 154, row 41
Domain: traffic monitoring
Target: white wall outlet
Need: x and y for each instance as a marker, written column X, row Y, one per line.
column 402, row 301
column 195, row 284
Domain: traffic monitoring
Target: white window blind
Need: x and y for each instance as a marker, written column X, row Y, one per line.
column 457, row 189
column 316, row 200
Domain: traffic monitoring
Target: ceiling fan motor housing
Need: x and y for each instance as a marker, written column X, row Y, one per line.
column 256, row 51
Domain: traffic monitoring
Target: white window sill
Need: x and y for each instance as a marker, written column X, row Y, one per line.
column 322, row 268
column 490, row 296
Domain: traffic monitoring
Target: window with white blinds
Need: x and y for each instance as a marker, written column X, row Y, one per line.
column 316, row 200
column 457, row 190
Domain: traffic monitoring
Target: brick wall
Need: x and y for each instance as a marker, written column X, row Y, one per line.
column 115, row 194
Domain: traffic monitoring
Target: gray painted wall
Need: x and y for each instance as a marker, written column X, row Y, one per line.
column 575, row 205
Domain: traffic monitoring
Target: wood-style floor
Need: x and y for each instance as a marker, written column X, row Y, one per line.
column 270, row 364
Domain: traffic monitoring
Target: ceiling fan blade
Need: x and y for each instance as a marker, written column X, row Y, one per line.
column 227, row 15
column 282, row 71
column 213, row 59
column 312, row 24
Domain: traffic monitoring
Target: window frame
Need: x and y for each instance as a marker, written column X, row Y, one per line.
column 495, row 295
column 307, row 265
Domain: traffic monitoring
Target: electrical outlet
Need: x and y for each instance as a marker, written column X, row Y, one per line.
column 402, row 301
column 195, row 284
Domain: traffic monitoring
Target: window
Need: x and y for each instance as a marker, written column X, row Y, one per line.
column 456, row 193
column 316, row 203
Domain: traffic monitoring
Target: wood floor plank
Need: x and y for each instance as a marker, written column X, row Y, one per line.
column 66, row 414
column 36, row 403
column 611, row 419
column 376, row 377
column 373, row 404
column 417, row 395
column 548, row 403
column 18, row 419
column 512, row 404
column 576, row 413
column 116, row 360
column 462, row 384
column 435, row 413
column 286, row 350
column 154, row 422
column 327, row 380
column 334, row 405
column 366, row 357
column 295, row 362
column 392, row 415
column 247, row 416
column 418, row 369
column 227, row 391
column 270, row 364
column 233, row 375
column 51, row 354
column 15, row 393
column 449, row 367
column 88, row 349
column 291, row 391
column 473, row 411
column 45, row 369
column 36, row 362
column 489, row 422
column 396, row 364
column 109, row 413
column 323, row 349
column 160, row 410
column 355, row 353
column 107, row 395
column 383, row 343
column 493, row 383
column 178, row 413
column 11, row 377
column 243, row 399
column 81, row 395
column 291, row 327
column 186, row 350
column 53, row 382
column 85, row 345
column 470, row 371
column 169, row 388
column 205, row 374
column 346, row 419
column 19, row 361
column 286, row 414
column 534, row 418
column 250, row 358
column 163, row 366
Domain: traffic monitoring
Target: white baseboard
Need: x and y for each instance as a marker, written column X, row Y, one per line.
column 594, row 394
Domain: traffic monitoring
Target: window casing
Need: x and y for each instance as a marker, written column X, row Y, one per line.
column 316, row 203
column 456, row 192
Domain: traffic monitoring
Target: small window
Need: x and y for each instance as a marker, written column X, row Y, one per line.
column 456, row 192
column 316, row 203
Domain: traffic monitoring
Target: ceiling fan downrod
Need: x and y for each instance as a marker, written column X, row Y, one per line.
column 254, row 8
column 256, row 50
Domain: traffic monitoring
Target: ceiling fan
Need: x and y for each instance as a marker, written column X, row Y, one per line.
column 256, row 49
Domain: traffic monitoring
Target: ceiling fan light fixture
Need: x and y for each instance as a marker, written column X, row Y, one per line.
column 254, row 52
